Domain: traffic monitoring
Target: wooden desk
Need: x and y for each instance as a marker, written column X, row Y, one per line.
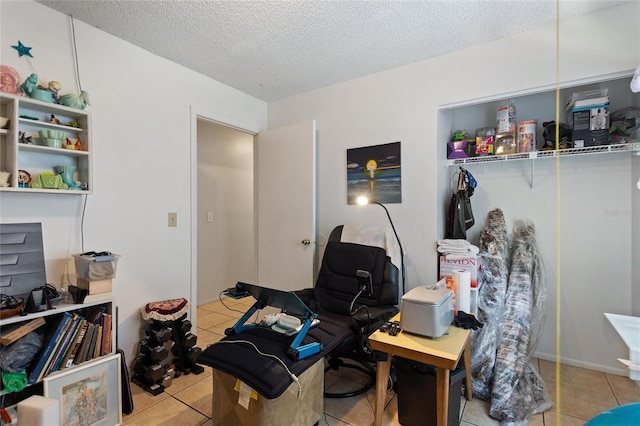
column 443, row 353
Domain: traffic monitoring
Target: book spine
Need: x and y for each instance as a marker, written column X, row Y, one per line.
column 97, row 350
column 56, row 348
column 91, row 344
column 49, row 345
column 68, row 361
column 66, row 344
column 62, row 363
column 84, row 346
column 106, row 338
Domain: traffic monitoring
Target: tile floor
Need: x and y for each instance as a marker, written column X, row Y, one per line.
column 583, row 393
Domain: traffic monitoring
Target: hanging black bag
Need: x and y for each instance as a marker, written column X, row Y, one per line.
column 466, row 191
column 455, row 218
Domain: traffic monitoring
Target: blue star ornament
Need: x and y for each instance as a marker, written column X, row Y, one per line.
column 23, row 50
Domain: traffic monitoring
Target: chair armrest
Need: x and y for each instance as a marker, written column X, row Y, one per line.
column 374, row 316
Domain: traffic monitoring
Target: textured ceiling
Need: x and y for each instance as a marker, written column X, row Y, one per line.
column 272, row 49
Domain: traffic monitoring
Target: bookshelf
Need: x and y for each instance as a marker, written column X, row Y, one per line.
column 64, row 328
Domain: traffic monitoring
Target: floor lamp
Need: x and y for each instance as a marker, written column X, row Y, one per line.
column 363, row 201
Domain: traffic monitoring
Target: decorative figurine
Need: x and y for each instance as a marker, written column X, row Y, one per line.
column 9, row 80
column 24, row 178
column 77, row 145
column 67, row 173
column 75, row 101
column 29, row 85
column 54, row 120
column 47, row 94
column 23, row 138
column 49, row 180
column 4, row 178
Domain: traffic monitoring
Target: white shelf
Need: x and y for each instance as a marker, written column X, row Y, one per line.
column 50, row 150
column 31, row 116
column 603, row 149
column 57, row 309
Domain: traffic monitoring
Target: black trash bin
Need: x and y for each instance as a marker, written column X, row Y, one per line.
column 416, row 390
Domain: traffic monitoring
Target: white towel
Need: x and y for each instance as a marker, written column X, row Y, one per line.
column 453, row 242
column 374, row 236
column 472, row 250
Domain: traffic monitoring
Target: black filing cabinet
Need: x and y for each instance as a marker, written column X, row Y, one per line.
column 416, row 389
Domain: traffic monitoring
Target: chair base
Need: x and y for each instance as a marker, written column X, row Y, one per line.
column 336, row 362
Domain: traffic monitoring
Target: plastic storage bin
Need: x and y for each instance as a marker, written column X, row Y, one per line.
column 92, row 268
column 416, row 389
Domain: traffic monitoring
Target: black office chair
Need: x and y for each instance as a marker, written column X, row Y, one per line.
column 355, row 293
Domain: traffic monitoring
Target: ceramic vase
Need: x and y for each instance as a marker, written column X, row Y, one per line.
column 67, row 173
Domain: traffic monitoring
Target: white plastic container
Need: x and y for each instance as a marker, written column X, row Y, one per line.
column 426, row 311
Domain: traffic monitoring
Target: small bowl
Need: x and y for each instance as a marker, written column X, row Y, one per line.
column 52, row 134
column 52, row 143
column 3, row 122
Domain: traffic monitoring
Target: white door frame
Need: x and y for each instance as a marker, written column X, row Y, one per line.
column 195, row 115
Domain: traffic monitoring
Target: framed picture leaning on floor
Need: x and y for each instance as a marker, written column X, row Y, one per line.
column 88, row 394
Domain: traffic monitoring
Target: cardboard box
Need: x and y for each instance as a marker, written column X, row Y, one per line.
column 590, row 126
column 448, row 266
column 95, row 287
column 588, row 116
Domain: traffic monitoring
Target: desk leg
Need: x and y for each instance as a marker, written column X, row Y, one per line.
column 467, row 366
column 382, row 379
column 442, row 394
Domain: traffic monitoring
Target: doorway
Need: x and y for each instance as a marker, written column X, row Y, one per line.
column 199, row 122
column 225, row 209
column 294, row 148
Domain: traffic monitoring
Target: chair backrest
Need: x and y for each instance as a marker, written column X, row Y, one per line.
column 337, row 283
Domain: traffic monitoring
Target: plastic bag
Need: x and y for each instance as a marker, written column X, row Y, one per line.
column 17, row 356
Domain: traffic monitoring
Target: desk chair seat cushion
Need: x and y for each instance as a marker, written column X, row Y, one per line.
column 264, row 374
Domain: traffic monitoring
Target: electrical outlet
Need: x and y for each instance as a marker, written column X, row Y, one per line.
column 173, row 219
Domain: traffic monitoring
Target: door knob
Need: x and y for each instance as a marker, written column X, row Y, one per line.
column 306, row 242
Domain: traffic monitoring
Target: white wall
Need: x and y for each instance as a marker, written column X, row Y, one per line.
column 226, row 247
column 402, row 104
column 140, row 106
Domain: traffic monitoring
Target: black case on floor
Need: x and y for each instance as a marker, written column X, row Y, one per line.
column 416, row 390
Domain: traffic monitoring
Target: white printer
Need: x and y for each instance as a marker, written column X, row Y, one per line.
column 427, row 311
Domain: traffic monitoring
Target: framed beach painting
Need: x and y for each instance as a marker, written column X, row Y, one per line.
column 374, row 172
column 88, row 394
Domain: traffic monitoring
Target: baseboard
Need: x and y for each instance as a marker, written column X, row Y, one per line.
column 204, row 302
column 577, row 363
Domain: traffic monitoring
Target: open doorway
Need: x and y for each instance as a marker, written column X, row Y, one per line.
column 225, row 209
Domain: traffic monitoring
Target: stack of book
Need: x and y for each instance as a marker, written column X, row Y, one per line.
column 73, row 339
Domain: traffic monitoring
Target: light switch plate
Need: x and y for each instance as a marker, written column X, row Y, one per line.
column 173, row 219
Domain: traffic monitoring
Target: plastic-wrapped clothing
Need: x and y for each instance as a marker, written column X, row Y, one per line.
column 517, row 390
column 15, row 357
column 493, row 276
